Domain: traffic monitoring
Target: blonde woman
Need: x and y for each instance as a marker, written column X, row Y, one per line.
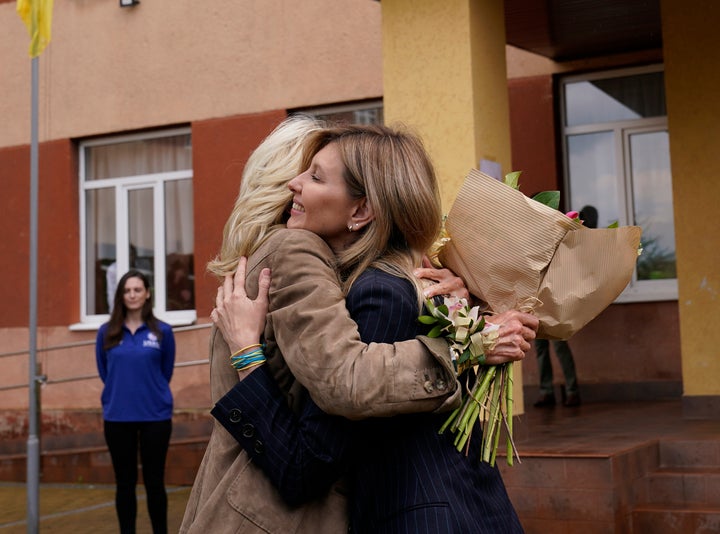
column 311, row 344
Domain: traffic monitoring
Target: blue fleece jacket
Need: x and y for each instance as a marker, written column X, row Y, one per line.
column 136, row 374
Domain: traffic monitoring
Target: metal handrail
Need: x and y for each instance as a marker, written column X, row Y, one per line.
column 43, row 379
column 92, row 341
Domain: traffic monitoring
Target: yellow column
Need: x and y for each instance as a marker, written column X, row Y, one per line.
column 691, row 48
column 444, row 75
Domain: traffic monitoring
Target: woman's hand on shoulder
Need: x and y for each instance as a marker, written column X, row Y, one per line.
column 444, row 281
column 240, row 319
column 515, row 335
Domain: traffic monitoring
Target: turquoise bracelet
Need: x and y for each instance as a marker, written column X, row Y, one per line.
column 250, row 359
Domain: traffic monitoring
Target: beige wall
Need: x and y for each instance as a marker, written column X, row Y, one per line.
column 162, row 62
column 692, row 78
column 109, row 69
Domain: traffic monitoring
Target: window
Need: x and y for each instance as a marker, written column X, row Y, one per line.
column 136, row 211
column 617, row 159
column 370, row 112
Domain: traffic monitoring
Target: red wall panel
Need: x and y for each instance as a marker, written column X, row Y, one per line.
column 532, row 133
column 58, row 236
column 14, row 245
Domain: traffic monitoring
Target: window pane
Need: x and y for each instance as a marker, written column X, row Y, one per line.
column 615, row 99
column 149, row 179
column 100, row 250
column 360, row 115
column 144, row 156
column 141, row 231
column 180, row 283
column 652, row 204
column 593, row 175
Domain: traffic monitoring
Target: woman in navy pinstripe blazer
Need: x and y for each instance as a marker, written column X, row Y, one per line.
column 366, row 192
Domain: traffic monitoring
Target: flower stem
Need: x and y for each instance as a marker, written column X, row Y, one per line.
column 464, row 408
column 510, row 447
column 449, row 420
column 489, row 438
column 466, row 430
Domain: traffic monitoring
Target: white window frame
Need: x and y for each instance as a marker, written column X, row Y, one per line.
column 358, row 108
column 122, row 186
column 637, row 290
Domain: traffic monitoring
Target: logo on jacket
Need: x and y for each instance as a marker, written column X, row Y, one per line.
column 151, row 341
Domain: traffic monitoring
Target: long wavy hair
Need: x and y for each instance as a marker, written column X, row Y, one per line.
column 391, row 168
column 264, row 196
column 114, row 333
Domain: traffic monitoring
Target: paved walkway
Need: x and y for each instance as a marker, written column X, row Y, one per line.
column 80, row 508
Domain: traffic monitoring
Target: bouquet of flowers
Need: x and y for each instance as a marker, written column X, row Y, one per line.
column 490, row 398
column 514, row 252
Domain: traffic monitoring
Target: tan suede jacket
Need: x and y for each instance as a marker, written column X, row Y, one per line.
column 311, row 342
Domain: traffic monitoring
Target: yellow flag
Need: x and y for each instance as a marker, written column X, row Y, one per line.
column 37, row 16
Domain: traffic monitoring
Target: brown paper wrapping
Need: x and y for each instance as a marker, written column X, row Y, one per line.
column 516, row 253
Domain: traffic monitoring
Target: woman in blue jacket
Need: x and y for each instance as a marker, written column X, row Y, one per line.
column 135, row 355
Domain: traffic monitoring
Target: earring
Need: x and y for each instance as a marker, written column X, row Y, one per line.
column 350, row 227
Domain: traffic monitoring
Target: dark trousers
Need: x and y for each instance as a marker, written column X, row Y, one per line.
column 564, row 356
column 153, row 438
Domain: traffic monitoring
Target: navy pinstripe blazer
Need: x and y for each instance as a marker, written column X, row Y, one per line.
column 403, row 477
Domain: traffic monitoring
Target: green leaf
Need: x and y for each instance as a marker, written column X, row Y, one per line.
column 443, row 309
column 512, row 179
column 427, row 319
column 430, row 306
column 435, row 331
column 549, row 198
column 465, row 356
column 613, row 225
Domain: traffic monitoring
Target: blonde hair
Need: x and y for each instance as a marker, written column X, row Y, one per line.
column 391, row 168
column 264, row 195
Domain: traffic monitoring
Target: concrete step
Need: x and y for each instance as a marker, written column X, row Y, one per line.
column 690, row 453
column 92, row 465
column 697, row 486
column 679, row 520
column 682, row 494
column 73, row 449
column 60, row 430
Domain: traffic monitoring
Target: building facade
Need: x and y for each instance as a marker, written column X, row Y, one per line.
column 148, row 113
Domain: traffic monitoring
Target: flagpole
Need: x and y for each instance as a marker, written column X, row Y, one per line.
column 33, row 443
column 37, row 16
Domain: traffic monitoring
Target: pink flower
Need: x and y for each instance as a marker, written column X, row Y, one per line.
column 573, row 214
column 455, row 304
